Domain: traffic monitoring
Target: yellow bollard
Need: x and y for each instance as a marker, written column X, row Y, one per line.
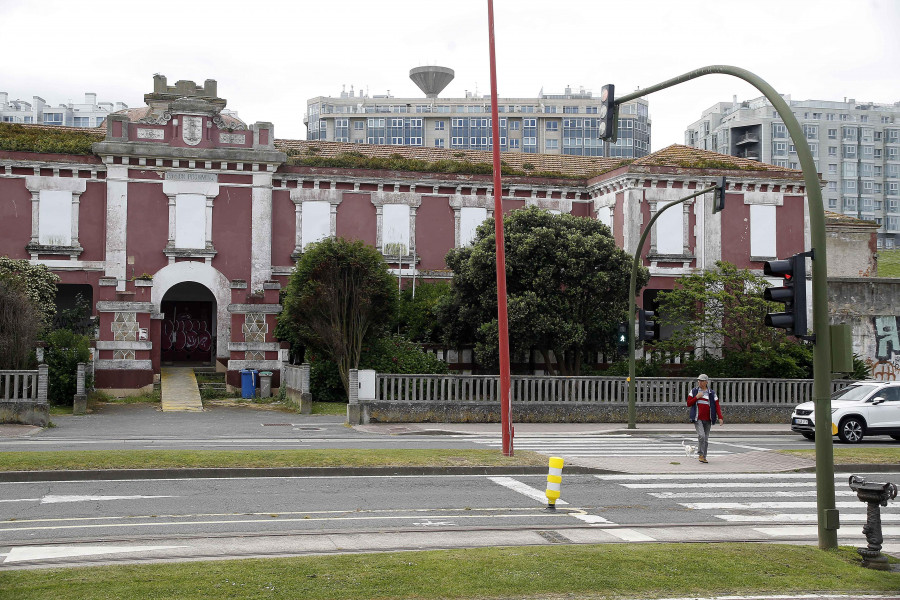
column 554, row 479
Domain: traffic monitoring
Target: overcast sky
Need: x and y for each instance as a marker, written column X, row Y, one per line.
column 269, row 57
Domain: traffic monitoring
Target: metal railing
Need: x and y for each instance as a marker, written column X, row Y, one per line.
column 649, row 390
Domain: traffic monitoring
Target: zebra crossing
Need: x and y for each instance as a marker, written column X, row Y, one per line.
column 783, row 499
column 601, row 446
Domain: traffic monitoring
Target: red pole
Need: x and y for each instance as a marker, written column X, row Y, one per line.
column 502, row 323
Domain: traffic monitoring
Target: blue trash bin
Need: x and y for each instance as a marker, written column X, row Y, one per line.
column 248, row 383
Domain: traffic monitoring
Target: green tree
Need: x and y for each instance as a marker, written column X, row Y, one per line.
column 65, row 349
column 567, row 289
column 718, row 309
column 20, row 324
column 417, row 316
column 38, row 282
column 339, row 295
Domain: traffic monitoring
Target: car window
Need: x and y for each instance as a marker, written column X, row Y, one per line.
column 853, row 392
column 891, row 394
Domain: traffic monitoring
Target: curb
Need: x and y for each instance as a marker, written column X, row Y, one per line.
column 858, row 468
column 217, row 473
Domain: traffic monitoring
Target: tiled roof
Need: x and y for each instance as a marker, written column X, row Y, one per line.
column 833, row 218
column 678, row 155
column 572, row 166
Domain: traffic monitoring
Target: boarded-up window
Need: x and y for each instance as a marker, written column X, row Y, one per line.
column 670, row 231
column 316, row 222
column 55, row 218
column 762, row 230
column 395, row 229
column 190, row 221
column 470, row 217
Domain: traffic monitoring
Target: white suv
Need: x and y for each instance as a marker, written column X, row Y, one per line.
column 864, row 408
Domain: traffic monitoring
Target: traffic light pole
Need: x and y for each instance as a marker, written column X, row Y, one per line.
column 633, row 292
column 827, row 513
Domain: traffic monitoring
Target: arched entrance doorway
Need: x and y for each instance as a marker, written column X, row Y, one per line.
column 189, row 325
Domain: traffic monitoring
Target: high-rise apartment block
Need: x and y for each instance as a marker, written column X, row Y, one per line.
column 564, row 123
column 90, row 113
column 856, row 146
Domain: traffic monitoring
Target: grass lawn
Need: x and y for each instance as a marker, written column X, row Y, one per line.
column 335, row 457
column 856, row 455
column 583, row 572
column 329, row 408
column 889, row 263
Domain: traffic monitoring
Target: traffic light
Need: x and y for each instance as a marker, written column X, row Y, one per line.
column 648, row 330
column 608, row 113
column 719, row 200
column 792, row 294
column 622, row 338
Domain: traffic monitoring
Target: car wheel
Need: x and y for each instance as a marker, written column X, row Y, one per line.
column 851, row 430
column 809, row 436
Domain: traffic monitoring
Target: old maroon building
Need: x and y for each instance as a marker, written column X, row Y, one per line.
column 183, row 223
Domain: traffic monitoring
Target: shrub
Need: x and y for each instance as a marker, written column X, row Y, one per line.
column 397, row 354
column 65, row 349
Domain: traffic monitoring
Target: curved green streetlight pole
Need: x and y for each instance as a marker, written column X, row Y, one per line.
column 632, row 292
column 827, row 513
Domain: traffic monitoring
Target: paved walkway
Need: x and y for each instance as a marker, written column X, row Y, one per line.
column 179, row 390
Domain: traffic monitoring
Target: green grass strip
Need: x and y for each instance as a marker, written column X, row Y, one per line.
column 332, row 457
column 584, row 572
column 855, row 455
column 889, row 263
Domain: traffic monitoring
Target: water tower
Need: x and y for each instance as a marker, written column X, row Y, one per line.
column 431, row 80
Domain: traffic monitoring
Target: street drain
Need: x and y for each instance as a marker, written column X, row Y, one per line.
column 276, row 424
column 554, row 537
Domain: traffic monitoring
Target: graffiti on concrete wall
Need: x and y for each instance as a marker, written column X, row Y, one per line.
column 887, row 348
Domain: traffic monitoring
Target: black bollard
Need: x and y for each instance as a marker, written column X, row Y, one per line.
column 876, row 495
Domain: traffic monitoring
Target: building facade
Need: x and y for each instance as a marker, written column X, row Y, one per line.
column 89, row 113
column 182, row 224
column 856, row 147
column 565, row 123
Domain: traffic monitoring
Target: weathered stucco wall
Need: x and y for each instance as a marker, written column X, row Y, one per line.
column 872, row 307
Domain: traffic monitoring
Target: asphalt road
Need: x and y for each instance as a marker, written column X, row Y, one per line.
column 90, row 522
column 143, row 426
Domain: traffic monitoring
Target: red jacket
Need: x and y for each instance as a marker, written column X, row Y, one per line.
column 701, row 405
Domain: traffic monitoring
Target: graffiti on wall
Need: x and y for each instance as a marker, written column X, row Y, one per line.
column 886, row 367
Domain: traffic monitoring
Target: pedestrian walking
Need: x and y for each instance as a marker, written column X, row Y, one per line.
column 705, row 411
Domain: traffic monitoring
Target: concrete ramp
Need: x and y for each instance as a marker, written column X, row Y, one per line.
column 179, row 390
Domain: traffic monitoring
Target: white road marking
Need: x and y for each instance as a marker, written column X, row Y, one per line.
column 803, row 518
column 758, row 505
column 745, row 494
column 23, row 500
column 811, row 530
column 51, row 499
column 517, row 486
column 430, row 523
column 182, row 524
column 710, row 477
column 25, row 553
column 630, row 535
column 592, row 519
column 745, row 447
column 719, row 484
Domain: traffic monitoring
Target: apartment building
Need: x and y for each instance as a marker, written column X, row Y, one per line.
column 564, row 123
column 856, row 147
column 89, row 113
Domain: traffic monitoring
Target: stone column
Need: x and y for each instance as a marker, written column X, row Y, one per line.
column 35, row 217
column 116, row 222
column 261, row 231
column 76, row 204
